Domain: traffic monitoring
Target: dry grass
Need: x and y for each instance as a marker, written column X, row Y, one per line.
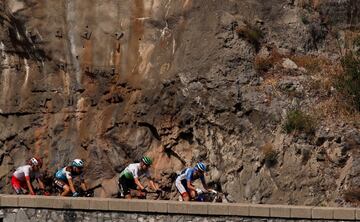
column 340, row 81
column 324, row 74
column 317, row 64
column 334, row 105
column 334, row 108
column 309, row 4
column 312, row 64
column 264, row 64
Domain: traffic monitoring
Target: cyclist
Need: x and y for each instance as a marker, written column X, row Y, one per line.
column 24, row 175
column 129, row 178
column 64, row 178
column 184, row 181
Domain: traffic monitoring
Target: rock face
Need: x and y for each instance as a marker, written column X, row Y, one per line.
column 109, row 81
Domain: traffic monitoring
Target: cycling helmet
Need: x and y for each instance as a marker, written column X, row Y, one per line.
column 146, row 160
column 35, row 162
column 77, row 163
column 201, row 167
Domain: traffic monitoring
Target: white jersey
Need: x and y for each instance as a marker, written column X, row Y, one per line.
column 25, row 171
column 135, row 170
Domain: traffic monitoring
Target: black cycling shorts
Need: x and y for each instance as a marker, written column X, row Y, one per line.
column 127, row 185
column 59, row 183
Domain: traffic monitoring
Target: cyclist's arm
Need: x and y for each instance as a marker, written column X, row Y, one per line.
column 83, row 186
column 204, row 183
column 41, row 184
column 82, row 182
column 28, row 183
column 137, row 182
column 189, row 174
column 153, row 185
column 71, row 185
column 190, row 186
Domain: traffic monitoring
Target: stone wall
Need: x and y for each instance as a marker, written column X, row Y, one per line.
column 110, row 81
column 31, row 208
column 28, row 214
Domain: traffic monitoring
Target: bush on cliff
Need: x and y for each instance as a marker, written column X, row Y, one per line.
column 348, row 83
column 296, row 120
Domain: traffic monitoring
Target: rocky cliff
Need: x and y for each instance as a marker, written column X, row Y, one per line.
column 183, row 81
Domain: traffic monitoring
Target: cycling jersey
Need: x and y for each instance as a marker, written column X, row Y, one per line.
column 64, row 175
column 188, row 175
column 24, row 172
column 134, row 171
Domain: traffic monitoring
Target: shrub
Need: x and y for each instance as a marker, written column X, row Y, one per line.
column 251, row 33
column 309, row 4
column 349, row 82
column 311, row 63
column 264, row 64
column 270, row 155
column 306, row 154
column 296, row 120
column 352, row 196
column 356, row 45
column 305, row 20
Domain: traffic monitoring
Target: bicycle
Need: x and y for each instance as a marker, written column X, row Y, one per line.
column 89, row 192
column 140, row 194
column 209, row 196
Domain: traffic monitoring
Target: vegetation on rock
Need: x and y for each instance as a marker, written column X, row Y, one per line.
column 297, row 120
column 349, row 83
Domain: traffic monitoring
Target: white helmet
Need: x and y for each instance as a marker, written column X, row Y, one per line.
column 35, row 162
column 77, row 163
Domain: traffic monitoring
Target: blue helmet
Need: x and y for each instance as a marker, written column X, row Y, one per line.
column 77, row 163
column 201, row 167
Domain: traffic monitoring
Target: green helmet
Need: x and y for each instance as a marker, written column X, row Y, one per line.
column 147, row 160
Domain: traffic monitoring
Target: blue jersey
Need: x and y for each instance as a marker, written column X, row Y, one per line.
column 188, row 175
column 64, row 175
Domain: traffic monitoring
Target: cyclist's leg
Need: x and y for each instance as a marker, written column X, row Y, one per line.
column 15, row 183
column 180, row 187
column 24, row 186
column 125, row 187
column 120, row 189
column 64, row 188
column 192, row 194
column 66, row 191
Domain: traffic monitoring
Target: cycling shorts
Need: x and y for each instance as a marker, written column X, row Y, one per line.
column 59, row 183
column 127, row 185
column 18, row 185
column 182, row 187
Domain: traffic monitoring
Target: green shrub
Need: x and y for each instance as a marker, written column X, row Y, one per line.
column 305, row 20
column 296, row 120
column 348, row 84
